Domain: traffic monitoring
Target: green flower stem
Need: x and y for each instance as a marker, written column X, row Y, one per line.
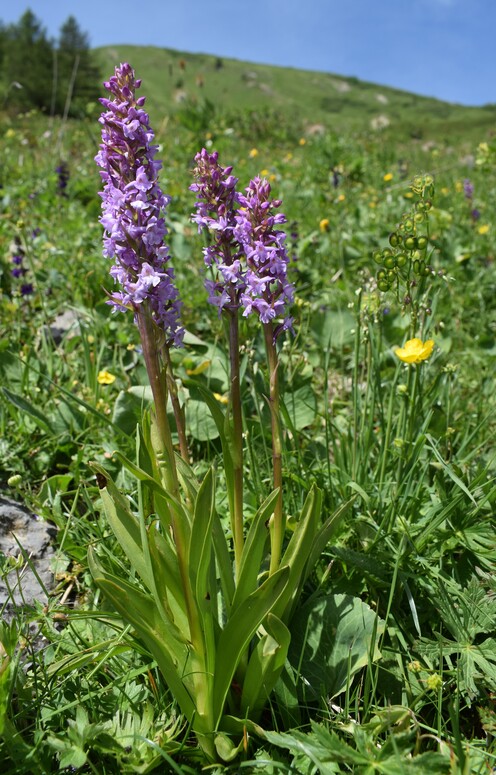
column 278, row 525
column 176, row 406
column 149, row 335
column 237, row 439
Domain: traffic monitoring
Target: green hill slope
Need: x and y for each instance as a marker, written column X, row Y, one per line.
column 175, row 79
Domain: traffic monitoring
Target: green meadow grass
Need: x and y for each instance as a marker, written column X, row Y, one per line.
column 304, row 98
column 413, row 447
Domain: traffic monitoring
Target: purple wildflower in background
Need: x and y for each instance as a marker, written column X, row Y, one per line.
column 268, row 292
column 247, row 251
column 62, row 178
column 468, row 189
column 475, row 213
column 133, row 208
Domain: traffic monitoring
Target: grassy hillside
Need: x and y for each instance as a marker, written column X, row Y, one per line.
column 175, row 79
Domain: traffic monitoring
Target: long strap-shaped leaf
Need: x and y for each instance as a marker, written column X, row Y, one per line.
column 265, row 666
column 124, row 524
column 238, row 632
column 298, row 550
column 164, row 641
column 253, row 550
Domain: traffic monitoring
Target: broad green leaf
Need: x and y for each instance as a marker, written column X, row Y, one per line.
column 331, row 639
column 199, row 421
column 239, row 630
column 300, row 407
column 128, row 407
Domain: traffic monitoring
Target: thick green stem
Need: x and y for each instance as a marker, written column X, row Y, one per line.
column 237, row 439
column 176, row 406
column 158, row 385
column 278, row 523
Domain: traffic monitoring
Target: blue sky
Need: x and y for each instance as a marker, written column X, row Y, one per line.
column 439, row 48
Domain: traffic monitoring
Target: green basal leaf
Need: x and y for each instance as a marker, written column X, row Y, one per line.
column 124, row 524
column 168, row 584
column 253, row 550
column 239, row 630
column 164, row 640
column 298, row 550
column 200, row 557
column 265, row 666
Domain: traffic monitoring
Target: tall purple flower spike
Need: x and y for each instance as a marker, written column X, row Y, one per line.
column 247, row 251
column 133, row 207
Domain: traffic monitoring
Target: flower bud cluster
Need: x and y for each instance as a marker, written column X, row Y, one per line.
column 406, row 254
column 133, row 207
column 247, row 251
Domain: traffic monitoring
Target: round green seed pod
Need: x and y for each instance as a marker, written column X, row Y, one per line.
column 418, row 217
column 410, row 242
column 422, row 242
column 390, row 262
column 381, row 275
column 401, row 259
column 393, row 239
column 383, row 285
column 408, row 224
column 377, row 256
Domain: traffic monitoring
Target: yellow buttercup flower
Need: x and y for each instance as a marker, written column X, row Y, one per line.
column 341, row 198
column 483, row 229
column 324, row 224
column 253, row 153
column 302, row 141
column 105, row 378
column 387, row 177
column 415, row 350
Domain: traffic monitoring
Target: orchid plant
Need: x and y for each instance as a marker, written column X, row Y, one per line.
column 213, row 609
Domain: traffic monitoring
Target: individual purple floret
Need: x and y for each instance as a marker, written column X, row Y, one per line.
column 268, row 292
column 247, row 251
column 133, row 208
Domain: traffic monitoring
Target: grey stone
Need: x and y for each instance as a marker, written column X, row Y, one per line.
column 21, row 586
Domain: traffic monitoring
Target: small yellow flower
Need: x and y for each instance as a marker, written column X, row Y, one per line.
column 434, row 682
column 264, row 173
column 302, row 141
column 445, row 190
column 483, row 229
column 341, row 198
column 105, row 378
column 221, row 399
column 415, row 350
column 324, row 224
column 458, row 186
column 10, row 133
column 288, row 156
column 253, row 153
column 90, row 339
column 387, row 177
